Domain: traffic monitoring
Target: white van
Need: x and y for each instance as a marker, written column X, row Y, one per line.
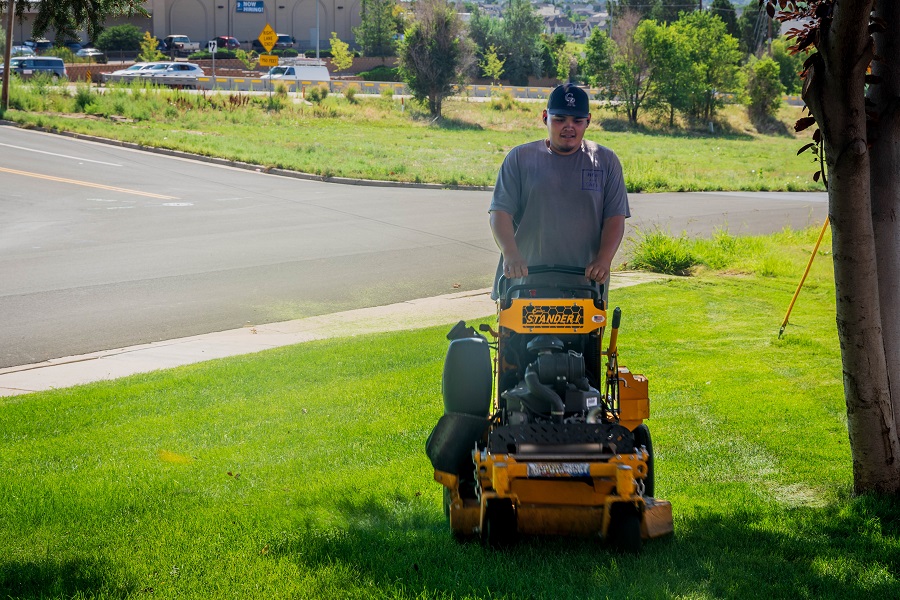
column 302, row 72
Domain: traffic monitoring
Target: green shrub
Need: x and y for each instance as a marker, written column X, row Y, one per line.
column 61, row 52
column 660, row 252
column 350, row 93
column 764, row 88
column 83, row 97
column 387, row 93
column 206, row 55
column 381, row 73
column 316, row 93
column 120, row 37
column 504, row 101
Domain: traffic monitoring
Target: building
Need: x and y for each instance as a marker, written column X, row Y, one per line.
column 202, row 20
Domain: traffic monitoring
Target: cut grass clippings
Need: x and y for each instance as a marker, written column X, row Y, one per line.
column 382, row 139
column 300, row 472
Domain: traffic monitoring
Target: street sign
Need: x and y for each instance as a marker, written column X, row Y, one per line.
column 249, row 6
column 268, row 60
column 268, row 37
column 213, row 46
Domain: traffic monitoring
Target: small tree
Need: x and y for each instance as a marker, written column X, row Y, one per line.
column 492, row 66
column 598, row 56
column 631, row 76
column 120, row 37
column 566, row 64
column 520, row 41
column 435, row 54
column 150, row 49
column 248, row 59
column 676, row 75
column 341, row 57
column 790, row 65
column 717, row 57
column 377, row 28
column 764, row 88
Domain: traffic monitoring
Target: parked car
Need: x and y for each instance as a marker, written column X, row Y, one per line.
column 132, row 70
column 27, row 66
column 22, row 51
column 181, row 69
column 39, row 45
column 171, row 69
column 180, row 45
column 224, row 42
column 93, row 55
column 283, row 42
column 73, row 46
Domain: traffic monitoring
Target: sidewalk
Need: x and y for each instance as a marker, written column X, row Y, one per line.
column 120, row 362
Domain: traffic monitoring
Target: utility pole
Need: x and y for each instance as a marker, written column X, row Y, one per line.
column 7, row 54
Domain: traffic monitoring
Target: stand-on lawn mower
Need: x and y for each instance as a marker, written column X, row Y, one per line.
column 549, row 453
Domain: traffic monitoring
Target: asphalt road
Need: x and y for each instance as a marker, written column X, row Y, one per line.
column 103, row 247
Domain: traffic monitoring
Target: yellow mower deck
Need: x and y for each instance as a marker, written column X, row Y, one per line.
column 528, row 479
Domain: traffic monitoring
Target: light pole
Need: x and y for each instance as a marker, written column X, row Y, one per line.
column 7, row 54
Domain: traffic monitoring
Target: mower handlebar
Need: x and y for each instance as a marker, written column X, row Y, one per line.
column 596, row 289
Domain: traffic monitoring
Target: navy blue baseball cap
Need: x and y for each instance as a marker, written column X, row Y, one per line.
column 569, row 99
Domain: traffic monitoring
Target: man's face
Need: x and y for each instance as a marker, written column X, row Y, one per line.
column 565, row 132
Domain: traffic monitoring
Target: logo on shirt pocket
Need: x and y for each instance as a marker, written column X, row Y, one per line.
column 592, row 179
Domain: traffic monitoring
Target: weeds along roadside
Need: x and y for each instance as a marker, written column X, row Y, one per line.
column 384, row 138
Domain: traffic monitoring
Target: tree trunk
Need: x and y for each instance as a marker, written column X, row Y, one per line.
column 833, row 92
column 884, row 138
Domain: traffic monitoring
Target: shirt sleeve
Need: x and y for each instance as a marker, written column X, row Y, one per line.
column 507, row 190
column 615, row 194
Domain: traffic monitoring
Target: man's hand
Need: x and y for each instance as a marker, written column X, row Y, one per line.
column 597, row 270
column 514, row 266
column 610, row 238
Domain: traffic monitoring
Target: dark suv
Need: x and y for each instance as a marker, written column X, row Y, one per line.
column 39, row 45
column 283, row 42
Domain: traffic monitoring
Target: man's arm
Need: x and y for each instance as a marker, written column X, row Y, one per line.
column 505, row 235
column 610, row 237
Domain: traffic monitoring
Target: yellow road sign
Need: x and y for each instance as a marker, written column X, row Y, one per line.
column 267, row 38
column 268, row 60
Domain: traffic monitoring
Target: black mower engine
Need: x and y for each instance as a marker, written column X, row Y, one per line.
column 554, row 388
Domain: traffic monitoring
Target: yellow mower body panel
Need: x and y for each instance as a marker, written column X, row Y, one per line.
column 542, row 315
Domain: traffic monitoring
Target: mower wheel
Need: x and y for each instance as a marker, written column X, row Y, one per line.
column 624, row 532
column 642, row 438
column 499, row 529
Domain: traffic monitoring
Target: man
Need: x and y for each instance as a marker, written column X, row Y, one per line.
column 561, row 200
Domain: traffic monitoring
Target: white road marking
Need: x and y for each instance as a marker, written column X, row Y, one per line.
column 78, row 158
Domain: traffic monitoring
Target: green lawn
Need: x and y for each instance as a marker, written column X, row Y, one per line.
column 382, row 139
column 301, row 473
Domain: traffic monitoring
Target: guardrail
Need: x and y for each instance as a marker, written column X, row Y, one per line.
column 257, row 84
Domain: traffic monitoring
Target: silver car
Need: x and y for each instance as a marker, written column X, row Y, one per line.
column 178, row 69
column 133, row 70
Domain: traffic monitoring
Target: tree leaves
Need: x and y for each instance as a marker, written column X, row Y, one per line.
column 804, row 123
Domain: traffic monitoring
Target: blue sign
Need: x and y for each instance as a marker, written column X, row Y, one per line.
column 249, row 6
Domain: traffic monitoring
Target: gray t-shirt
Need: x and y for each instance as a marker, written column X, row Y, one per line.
column 559, row 202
